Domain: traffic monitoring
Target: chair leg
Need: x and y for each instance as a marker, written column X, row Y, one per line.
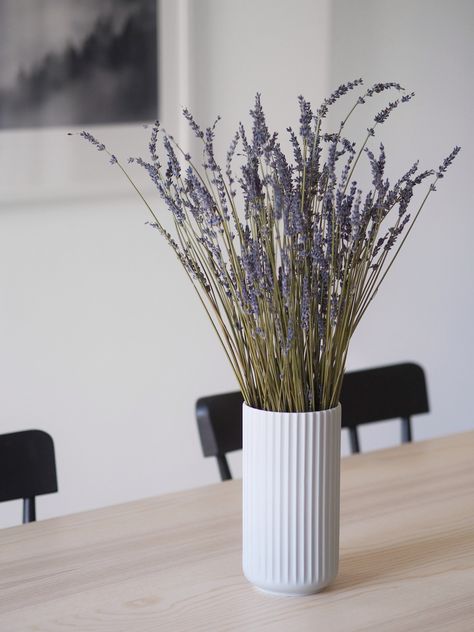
column 224, row 469
column 29, row 510
column 406, row 430
column 354, row 440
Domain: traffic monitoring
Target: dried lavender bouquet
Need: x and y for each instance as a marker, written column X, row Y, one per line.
column 285, row 253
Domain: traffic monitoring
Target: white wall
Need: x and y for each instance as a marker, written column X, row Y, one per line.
column 103, row 343
column 425, row 310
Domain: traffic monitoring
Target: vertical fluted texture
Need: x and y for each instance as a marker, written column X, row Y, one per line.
column 291, row 472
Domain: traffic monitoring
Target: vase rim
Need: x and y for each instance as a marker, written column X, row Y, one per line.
column 293, row 412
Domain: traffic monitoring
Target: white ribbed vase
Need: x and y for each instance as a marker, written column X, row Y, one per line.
column 291, row 474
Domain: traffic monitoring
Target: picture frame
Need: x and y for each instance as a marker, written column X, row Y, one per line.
column 50, row 164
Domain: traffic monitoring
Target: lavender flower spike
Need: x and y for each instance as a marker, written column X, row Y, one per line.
column 447, row 162
column 93, row 140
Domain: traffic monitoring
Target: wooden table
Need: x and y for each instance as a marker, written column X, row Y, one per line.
column 173, row 562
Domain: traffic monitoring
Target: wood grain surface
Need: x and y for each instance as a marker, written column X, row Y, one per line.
column 173, row 562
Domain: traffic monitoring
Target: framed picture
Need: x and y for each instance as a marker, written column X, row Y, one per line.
column 69, row 65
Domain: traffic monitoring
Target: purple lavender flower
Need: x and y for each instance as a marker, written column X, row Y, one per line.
column 229, row 158
column 378, row 167
column 306, row 118
column 260, row 130
column 383, row 115
column 93, row 140
column 341, row 91
column 217, row 179
column 297, row 153
column 174, row 168
column 153, row 142
column 377, row 88
column 447, row 162
column 407, row 97
column 288, row 264
column 192, row 123
column 305, row 304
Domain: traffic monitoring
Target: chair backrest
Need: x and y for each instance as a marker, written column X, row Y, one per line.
column 390, row 392
column 383, row 393
column 27, row 468
column 219, row 419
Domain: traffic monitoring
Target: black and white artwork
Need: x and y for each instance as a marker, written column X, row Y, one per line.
column 77, row 62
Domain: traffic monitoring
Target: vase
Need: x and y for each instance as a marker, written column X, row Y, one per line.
column 291, row 476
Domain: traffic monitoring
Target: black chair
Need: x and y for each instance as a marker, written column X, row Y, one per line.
column 389, row 392
column 379, row 394
column 27, row 468
column 219, row 419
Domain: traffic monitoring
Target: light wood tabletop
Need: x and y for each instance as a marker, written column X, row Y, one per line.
column 173, row 562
